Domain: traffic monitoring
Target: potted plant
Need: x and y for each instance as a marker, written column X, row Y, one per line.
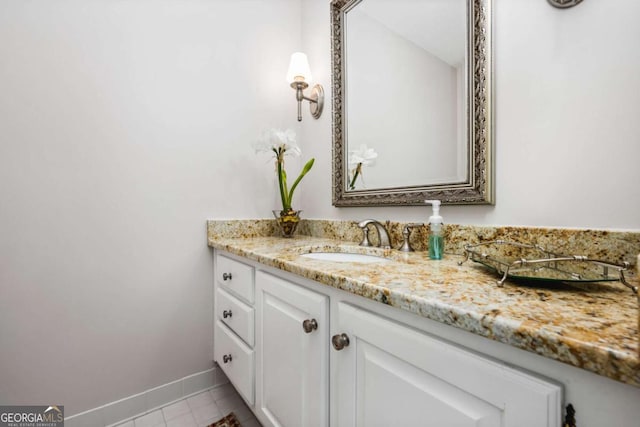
column 283, row 143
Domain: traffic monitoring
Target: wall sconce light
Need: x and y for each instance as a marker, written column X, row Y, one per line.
column 299, row 76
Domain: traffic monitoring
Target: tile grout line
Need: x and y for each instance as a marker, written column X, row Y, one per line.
column 159, row 408
column 230, row 393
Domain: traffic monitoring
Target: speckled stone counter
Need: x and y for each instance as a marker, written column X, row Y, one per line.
column 594, row 326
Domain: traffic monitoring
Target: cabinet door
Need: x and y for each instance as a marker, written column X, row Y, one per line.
column 292, row 363
column 393, row 375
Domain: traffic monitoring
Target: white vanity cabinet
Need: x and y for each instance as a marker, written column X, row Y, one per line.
column 292, row 357
column 288, row 357
column 388, row 374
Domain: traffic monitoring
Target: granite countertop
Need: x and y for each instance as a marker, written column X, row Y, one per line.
column 594, row 326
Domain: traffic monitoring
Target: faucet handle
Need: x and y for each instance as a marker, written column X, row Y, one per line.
column 406, row 232
column 364, row 226
column 365, row 237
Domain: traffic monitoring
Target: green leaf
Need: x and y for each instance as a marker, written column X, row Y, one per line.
column 307, row 167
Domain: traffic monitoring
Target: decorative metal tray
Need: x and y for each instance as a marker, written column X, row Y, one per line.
column 533, row 262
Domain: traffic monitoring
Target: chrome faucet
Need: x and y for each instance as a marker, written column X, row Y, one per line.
column 383, row 234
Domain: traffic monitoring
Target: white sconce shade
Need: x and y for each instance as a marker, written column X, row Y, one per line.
column 299, row 70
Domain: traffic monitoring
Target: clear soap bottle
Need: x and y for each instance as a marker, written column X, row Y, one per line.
column 436, row 234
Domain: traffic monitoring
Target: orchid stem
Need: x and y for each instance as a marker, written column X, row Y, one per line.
column 352, row 185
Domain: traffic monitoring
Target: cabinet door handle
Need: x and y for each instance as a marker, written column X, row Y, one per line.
column 340, row 341
column 226, row 358
column 309, row 325
column 226, row 313
column 226, row 276
column 570, row 419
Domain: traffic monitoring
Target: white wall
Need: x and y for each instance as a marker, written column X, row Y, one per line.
column 124, row 125
column 567, row 128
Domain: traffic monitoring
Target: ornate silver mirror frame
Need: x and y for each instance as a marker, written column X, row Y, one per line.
column 479, row 186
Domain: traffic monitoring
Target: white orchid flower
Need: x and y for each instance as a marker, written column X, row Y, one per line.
column 282, row 142
column 365, row 155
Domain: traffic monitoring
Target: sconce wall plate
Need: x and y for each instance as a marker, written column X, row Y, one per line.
column 315, row 98
column 317, row 101
column 564, row 4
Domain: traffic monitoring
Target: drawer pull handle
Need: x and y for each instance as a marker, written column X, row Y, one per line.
column 226, row 276
column 309, row 325
column 226, row 358
column 226, row 313
column 340, row 341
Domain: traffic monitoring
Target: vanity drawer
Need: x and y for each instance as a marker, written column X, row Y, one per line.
column 236, row 315
column 235, row 276
column 239, row 364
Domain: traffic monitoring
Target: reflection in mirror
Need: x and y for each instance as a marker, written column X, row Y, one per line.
column 405, row 82
column 402, row 74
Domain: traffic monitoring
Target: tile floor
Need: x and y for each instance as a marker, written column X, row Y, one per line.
column 199, row 410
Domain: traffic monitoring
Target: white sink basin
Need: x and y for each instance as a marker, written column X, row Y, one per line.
column 345, row 257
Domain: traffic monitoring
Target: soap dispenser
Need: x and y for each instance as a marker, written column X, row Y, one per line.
column 436, row 234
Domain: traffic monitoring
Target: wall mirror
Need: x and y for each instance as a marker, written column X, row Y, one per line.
column 412, row 102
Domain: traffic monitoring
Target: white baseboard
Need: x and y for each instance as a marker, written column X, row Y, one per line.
column 139, row 404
